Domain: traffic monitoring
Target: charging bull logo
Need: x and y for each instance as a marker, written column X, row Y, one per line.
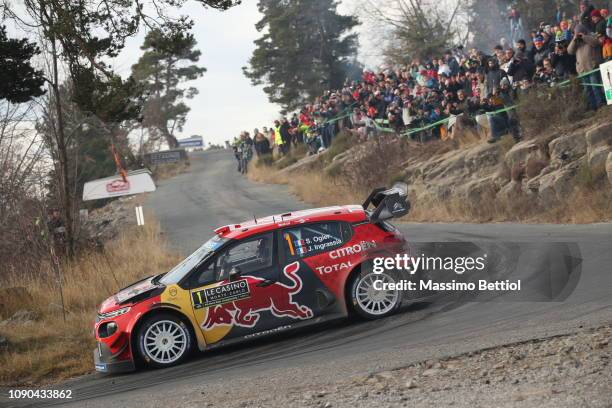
column 275, row 297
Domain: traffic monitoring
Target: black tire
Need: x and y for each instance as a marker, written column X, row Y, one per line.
column 181, row 349
column 358, row 307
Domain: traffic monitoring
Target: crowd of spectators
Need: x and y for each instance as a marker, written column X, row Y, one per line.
column 463, row 85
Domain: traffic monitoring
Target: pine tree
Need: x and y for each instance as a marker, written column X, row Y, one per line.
column 160, row 71
column 19, row 81
column 306, row 47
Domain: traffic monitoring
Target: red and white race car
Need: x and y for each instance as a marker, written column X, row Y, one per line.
column 257, row 278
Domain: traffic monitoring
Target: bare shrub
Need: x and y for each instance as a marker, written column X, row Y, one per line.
column 50, row 349
column 542, row 108
column 373, row 163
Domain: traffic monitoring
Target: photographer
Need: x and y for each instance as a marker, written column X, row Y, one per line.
column 520, row 68
column 563, row 63
column 587, row 50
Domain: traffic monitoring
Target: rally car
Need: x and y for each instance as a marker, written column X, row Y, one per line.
column 256, row 278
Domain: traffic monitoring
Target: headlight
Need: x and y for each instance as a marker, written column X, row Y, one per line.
column 114, row 313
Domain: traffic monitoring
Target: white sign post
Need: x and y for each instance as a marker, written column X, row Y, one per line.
column 136, row 182
column 139, row 216
column 605, row 70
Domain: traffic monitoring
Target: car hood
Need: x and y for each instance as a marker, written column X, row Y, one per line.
column 126, row 295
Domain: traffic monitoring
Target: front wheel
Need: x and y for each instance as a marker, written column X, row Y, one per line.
column 370, row 297
column 164, row 341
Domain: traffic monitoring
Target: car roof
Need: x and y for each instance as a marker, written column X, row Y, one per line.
column 347, row 213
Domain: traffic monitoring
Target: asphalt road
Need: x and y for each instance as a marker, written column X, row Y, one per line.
column 212, row 193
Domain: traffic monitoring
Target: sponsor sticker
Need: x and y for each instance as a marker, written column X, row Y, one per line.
column 267, row 332
column 334, row 268
column 218, row 295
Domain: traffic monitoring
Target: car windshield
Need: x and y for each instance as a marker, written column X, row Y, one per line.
column 179, row 271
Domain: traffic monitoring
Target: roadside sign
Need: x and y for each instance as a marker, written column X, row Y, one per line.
column 165, row 156
column 139, row 181
column 605, row 70
column 193, row 141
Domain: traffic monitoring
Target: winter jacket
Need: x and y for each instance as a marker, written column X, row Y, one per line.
column 521, row 70
column 587, row 52
column 539, row 55
column 493, row 78
column 564, row 64
column 600, row 27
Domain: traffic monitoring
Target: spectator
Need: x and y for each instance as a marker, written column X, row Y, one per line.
column 563, row 63
column 285, row 135
column 262, row 145
column 460, row 83
column 588, row 54
column 606, row 45
column 521, row 46
column 520, row 68
column 585, row 15
column 494, row 75
column 599, row 24
column 539, row 50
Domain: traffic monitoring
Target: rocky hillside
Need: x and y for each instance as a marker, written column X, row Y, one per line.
column 562, row 175
column 544, row 172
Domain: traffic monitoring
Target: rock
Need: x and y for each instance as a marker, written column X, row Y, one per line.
column 410, row 384
column 431, row 372
column 609, row 167
column 599, row 136
column 20, row 317
column 597, row 159
column 567, row 148
column 384, row 375
column 520, row 152
column 510, row 191
column 480, row 190
column 557, row 185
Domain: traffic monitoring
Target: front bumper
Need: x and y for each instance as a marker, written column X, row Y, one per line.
column 106, row 362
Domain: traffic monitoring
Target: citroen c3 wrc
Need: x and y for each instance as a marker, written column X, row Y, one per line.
column 254, row 279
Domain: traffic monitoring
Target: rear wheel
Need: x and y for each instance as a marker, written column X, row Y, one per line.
column 369, row 296
column 164, row 340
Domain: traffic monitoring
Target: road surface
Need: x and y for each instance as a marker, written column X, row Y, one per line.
column 212, row 193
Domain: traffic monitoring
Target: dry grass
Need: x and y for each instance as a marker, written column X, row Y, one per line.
column 49, row 349
column 584, row 205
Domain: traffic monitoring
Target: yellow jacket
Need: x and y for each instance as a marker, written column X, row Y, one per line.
column 278, row 140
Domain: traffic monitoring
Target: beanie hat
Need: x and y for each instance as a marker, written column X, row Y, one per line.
column 581, row 28
column 596, row 13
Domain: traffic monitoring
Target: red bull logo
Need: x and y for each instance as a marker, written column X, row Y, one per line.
column 275, row 297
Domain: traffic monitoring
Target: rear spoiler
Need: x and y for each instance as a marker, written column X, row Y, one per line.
column 388, row 203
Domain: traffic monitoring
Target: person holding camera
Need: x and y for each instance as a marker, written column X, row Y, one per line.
column 587, row 50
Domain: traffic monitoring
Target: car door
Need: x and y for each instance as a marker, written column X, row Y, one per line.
column 238, row 293
column 309, row 246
